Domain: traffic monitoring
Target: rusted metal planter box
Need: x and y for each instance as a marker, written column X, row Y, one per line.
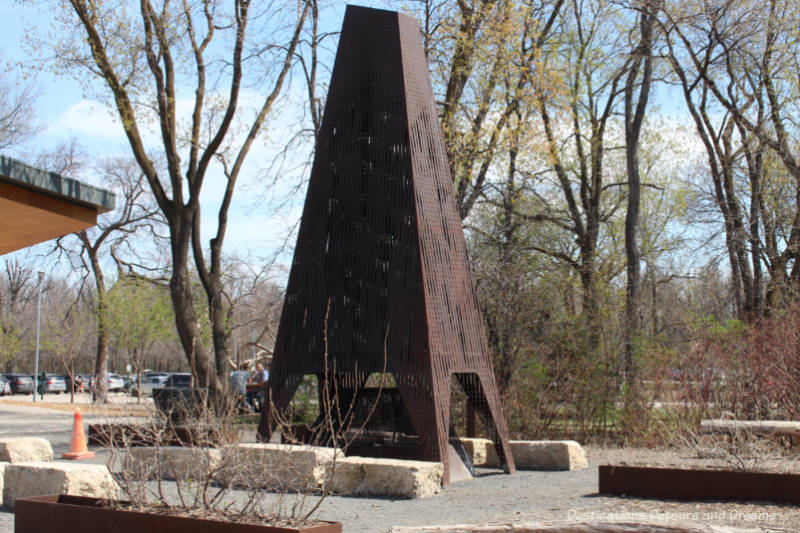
column 696, row 484
column 90, row 515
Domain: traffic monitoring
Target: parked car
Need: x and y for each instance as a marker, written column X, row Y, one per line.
column 20, row 383
column 115, row 383
column 179, row 400
column 53, row 383
column 179, row 380
column 155, row 381
column 5, row 386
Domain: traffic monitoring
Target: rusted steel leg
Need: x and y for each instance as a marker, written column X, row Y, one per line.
column 487, row 405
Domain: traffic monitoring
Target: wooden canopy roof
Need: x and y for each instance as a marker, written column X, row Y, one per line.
column 36, row 205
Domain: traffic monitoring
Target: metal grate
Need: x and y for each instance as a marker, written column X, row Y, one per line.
column 381, row 250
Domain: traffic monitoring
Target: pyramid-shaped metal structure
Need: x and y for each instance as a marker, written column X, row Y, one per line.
column 380, row 275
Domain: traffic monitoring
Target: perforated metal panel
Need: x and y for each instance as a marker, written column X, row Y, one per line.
column 381, row 251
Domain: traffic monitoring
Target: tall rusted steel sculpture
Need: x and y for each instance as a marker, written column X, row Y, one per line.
column 380, row 276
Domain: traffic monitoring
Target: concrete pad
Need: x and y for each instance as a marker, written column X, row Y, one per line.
column 276, row 466
column 386, row 477
column 25, row 449
column 173, row 462
column 54, row 477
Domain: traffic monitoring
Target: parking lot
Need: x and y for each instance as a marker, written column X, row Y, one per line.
column 79, row 398
column 52, row 417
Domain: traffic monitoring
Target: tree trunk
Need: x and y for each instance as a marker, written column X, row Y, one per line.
column 755, row 172
column 738, row 233
column 590, row 301
column 101, row 356
column 188, row 326
column 634, row 120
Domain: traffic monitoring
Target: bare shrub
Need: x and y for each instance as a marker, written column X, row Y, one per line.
column 747, row 372
column 213, row 474
column 740, row 449
column 187, row 460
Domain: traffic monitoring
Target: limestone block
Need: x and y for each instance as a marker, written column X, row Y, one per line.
column 25, row 449
column 52, row 477
column 758, row 427
column 173, row 462
column 2, row 477
column 530, row 454
column 386, row 477
column 481, row 451
column 548, row 455
column 277, row 466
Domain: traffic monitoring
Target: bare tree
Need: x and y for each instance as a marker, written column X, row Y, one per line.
column 16, row 289
column 254, row 299
column 17, row 108
column 65, row 335
column 472, row 46
column 742, row 56
column 635, row 109
column 198, row 48
column 86, row 249
column 593, row 69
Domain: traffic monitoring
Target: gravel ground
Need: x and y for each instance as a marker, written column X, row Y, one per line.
column 494, row 498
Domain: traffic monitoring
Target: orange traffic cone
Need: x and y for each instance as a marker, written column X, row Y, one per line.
column 77, row 447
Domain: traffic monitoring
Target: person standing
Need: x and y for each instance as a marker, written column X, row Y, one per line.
column 239, row 379
column 262, row 375
column 260, row 378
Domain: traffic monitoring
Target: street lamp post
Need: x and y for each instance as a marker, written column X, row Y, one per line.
column 40, row 274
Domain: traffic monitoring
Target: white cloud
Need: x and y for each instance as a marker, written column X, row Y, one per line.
column 89, row 120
